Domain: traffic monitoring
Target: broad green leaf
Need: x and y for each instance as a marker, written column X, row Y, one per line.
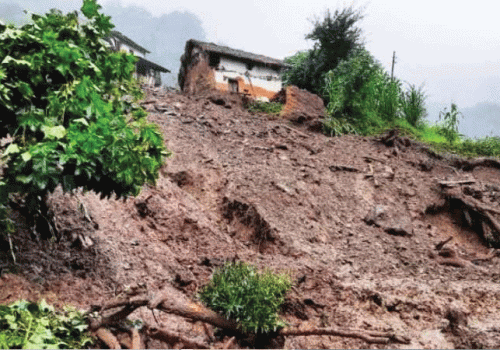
column 54, row 132
column 9, row 59
column 26, row 156
column 25, row 179
column 90, row 8
column 81, row 121
column 11, row 149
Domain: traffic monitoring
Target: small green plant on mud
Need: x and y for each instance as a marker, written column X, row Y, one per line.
column 251, row 297
column 27, row 325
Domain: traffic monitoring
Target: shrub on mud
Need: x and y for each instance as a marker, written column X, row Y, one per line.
column 250, row 297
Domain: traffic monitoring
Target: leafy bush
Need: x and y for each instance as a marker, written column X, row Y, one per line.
column 69, row 104
column 273, row 108
column 251, row 297
column 29, row 325
column 362, row 94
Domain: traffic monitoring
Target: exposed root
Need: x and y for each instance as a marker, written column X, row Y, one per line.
column 366, row 335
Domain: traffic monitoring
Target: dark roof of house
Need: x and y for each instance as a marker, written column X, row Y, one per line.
column 227, row 51
column 144, row 63
column 126, row 40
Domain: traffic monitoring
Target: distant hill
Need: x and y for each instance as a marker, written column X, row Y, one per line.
column 164, row 36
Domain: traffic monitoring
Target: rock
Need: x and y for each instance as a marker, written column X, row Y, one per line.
column 375, row 215
column 457, row 314
column 400, row 226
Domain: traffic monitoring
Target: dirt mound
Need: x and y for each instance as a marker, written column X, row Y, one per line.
column 356, row 221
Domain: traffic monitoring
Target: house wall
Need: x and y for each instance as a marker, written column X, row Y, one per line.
column 125, row 47
column 259, row 81
column 197, row 75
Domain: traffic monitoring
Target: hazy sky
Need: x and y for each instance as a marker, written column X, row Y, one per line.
column 452, row 47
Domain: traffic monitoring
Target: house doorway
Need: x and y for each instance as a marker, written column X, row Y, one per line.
column 233, row 85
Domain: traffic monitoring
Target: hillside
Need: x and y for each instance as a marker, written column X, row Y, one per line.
column 355, row 220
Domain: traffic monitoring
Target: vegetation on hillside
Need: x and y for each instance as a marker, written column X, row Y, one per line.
column 363, row 98
column 69, row 112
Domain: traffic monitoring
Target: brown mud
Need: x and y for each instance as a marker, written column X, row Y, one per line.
column 355, row 220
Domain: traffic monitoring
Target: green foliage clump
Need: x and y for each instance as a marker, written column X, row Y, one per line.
column 272, row 108
column 362, row 94
column 413, row 105
column 69, row 104
column 251, row 297
column 336, row 36
column 26, row 325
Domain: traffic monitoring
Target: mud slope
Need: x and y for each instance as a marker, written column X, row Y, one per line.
column 355, row 220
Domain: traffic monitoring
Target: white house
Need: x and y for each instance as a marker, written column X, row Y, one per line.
column 150, row 71
column 207, row 65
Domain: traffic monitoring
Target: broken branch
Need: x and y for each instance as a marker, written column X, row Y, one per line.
column 108, row 338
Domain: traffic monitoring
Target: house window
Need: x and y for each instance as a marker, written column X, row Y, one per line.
column 233, row 85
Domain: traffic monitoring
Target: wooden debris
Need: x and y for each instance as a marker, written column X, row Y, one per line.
column 173, row 338
column 172, row 301
column 229, row 344
column 136, row 339
column 441, row 244
column 208, row 331
column 366, row 335
column 108, row 338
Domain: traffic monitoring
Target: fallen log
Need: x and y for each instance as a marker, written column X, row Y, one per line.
column 172, row 301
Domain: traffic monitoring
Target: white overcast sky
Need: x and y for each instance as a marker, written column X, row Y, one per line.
column 451, row 46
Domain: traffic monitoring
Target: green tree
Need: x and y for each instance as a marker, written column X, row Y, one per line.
column 335, row 37
column 69, row 111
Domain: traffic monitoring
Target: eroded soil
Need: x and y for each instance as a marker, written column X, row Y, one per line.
column 356, row 223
